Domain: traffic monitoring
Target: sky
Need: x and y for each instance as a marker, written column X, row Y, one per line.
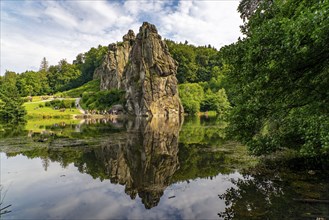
column 31, row 29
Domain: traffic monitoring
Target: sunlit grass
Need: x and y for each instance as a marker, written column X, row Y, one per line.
column 91, row 86
column 36, row 98
column 39, row 98
column 208, row 113
column 39, row 110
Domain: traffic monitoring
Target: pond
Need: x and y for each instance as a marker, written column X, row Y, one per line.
column 148, row 169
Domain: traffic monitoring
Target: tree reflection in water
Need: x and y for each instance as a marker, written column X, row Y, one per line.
column 271, row 191
column 4, row 208
column 141, row 154
column 145, row 157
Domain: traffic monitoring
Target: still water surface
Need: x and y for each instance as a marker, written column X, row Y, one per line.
column 154, row 169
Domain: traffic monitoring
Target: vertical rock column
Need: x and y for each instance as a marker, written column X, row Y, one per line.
column 150, row 77
column 111, row 71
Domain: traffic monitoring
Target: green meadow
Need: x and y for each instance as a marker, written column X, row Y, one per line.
column 38, row 109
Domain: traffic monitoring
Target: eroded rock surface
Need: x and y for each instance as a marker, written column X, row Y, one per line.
column 111, row 71
column 144, row 68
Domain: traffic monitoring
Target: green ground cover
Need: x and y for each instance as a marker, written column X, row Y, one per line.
column 38, row 109
column 91, row 86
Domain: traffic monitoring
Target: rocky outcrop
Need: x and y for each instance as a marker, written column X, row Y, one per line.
column 151, row 84
column 111, row 70
column 144, row 68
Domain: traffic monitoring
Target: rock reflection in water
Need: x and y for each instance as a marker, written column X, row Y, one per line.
column 146, row 160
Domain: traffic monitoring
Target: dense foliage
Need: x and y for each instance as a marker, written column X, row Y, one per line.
column 102, row 100
column 11, row 109
column 60, row 104
column 63, row 76
column 277, row 76
column 215, row 101
column 191, row 95
column 196, row 64
column 200, row 76
column 89, row 61
column 195, row 99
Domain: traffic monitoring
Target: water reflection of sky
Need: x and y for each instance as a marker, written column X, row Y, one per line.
column 66, row 193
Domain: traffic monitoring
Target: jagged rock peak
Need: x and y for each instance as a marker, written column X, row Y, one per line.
column 144, row 68
column 151, row 84
column 112, row 47
column 111, row 70
column 130, row 36
column 149, row 27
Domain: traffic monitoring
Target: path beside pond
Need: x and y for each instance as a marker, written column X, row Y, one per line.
column 77, row 105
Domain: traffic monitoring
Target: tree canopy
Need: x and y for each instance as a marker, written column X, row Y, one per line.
column 64, row 76
column 196, row 64
column 277, row 76
column 11, row 109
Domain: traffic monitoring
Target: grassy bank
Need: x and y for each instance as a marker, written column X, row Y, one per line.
column 91, row 86
column 38, row 109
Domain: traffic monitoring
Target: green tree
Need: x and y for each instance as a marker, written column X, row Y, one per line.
column 43, row 77
column 10, row 101
column 191, row 95
column 277, row 76
column 67, row 75
column 44, row 66
column 89, row 61
column 195, row 63
column 63, row 76
column 215, row 101
column 29, row 83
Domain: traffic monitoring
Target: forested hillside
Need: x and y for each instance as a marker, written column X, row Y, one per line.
column 57, row 78
column 198, row 75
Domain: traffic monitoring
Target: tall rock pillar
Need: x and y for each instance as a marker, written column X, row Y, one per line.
column 150, row 77
column 111, row 70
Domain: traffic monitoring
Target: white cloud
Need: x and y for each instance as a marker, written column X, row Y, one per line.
column 31, row 30
column 60, row 16
column 204, row 22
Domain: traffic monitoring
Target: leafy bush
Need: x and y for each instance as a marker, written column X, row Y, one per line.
column 215, row 102
column 191, row 95
column 102, row 100
column 191, row 107
column 61, row 103
column 194, row 99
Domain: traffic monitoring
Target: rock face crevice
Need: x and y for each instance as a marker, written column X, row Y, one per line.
column 111, row 70
column 144, row 68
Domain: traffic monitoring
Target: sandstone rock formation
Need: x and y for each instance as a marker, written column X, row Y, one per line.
column 111, row 71
column 143, row 67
